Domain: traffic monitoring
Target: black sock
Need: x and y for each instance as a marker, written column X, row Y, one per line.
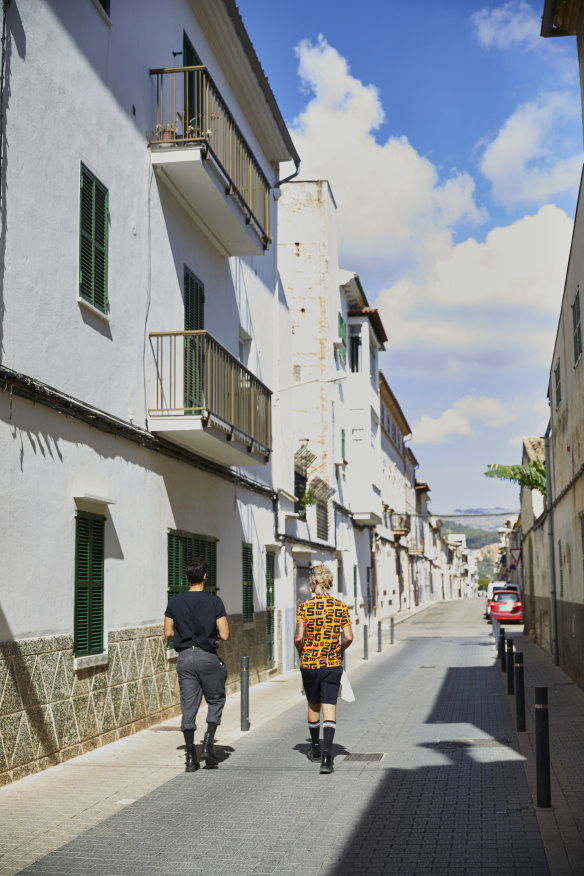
column 211, row 727
column 189, row 737
column 328, row 733
column 314, row 731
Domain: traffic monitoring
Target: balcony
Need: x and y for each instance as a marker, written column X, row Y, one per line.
column 400, row 525
column 202, row 156
column 207, row 402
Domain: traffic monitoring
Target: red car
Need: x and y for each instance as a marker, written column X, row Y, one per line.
column 507, row 607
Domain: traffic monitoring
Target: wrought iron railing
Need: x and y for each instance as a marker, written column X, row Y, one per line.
column 197, row 376
column 191, row 111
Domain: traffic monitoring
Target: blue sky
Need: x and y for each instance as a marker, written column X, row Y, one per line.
column 451, row 134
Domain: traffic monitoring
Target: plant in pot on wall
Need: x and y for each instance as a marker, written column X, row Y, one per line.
column 307, row 497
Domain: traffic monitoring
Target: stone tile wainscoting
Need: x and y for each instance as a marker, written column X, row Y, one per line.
column 51, row 711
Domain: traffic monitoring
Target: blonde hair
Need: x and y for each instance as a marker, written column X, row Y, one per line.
column 323, row 577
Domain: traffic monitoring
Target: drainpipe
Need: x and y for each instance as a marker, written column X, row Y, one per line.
column 550, row 520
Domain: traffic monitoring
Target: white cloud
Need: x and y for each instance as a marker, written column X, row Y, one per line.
column 484, row 411
column 513, row 23
column 492, row 305
column 533, row 157
column 393, row 205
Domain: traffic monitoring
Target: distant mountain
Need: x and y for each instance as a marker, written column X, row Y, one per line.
column 489, row 519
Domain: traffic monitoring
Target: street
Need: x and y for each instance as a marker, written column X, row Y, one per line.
column 428, row 779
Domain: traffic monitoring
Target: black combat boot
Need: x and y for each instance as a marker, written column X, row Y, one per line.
column 208, row 753
column 192, row 764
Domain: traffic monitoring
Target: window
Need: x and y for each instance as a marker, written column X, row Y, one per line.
column 322, row 521
column 372, row 362
column 106, row 5
column 185, row 546
column 355, row 349
column 89, row 557
column 194, row 364
column 343, row 446
column 299, row 490
column 558, row 384
column 247, row 580
column 343, row 337
column 576, row 327
column 93, row 241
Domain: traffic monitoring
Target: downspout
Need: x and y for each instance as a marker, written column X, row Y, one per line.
column 288, row 178
column 549, row 508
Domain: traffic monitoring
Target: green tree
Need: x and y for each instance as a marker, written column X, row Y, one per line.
column 531, row 475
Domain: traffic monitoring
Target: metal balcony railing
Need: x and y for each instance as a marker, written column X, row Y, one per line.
column 191, row 111
column 196, row 376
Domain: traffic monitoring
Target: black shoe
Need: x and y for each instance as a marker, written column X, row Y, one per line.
column 326, row 764
column 192, row 764
column 314, row 752
column 208, row 754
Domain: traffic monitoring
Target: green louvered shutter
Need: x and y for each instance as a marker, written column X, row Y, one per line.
column 93, row 241
column 194, row 297
column 206, row 549
column 89, row 581
column 270, row 626
column 247, row 574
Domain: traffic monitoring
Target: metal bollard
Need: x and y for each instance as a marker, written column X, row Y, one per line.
column 542, row 748
column 510, row 673
column 519, row 692
column 495, row 626
column 365, row 643
column 344, row 659
column 391, row 631
column 501, row 653
column 244, row 675
column 378, row 636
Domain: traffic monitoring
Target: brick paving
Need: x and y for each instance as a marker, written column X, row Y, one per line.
column 450, row 795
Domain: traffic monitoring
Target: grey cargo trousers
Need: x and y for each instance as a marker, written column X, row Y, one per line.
column 200, row 672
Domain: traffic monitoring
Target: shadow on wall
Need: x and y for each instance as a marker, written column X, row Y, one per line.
column 15, row 36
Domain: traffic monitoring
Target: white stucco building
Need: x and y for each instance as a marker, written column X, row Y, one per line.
column 139, row 180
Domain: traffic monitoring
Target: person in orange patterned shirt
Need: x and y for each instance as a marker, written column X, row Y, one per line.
column 319, row 622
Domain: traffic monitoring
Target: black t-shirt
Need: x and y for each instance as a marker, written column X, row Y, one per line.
column 195, row 614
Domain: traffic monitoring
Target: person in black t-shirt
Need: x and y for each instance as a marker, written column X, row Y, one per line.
column 195, row 620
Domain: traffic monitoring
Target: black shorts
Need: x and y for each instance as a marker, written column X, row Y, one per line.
column 322, row 685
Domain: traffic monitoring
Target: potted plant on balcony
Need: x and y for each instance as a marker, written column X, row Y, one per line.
column 164, row 134
column 189, row 131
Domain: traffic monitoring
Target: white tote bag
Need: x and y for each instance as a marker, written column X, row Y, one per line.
column 345, row 690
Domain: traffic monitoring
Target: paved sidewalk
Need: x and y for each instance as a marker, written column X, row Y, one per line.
column 449, row 796
column 562, row 826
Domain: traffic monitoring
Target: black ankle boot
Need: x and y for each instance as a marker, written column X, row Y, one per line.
column 192, row 764
column 314, row 753
column 208, row 753
column 326, row 764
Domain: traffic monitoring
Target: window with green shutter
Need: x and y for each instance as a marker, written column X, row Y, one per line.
column 247, row 576
column 576, row 327
column 185, row 546
column 89, row 578
column 194, row 367
column 93, row 241
column 343, row 337
column 558, row 383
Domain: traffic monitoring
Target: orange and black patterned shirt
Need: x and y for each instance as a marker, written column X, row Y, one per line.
column 324, row 617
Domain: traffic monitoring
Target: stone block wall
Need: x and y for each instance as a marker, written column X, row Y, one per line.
column 50, row 711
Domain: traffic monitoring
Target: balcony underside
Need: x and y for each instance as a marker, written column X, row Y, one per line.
column 199, row 186
column 367, row 518
column 211, row 438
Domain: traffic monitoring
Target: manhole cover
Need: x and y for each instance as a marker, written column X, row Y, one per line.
column 375, row 755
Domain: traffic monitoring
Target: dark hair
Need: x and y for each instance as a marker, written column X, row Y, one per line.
column 195, row 570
